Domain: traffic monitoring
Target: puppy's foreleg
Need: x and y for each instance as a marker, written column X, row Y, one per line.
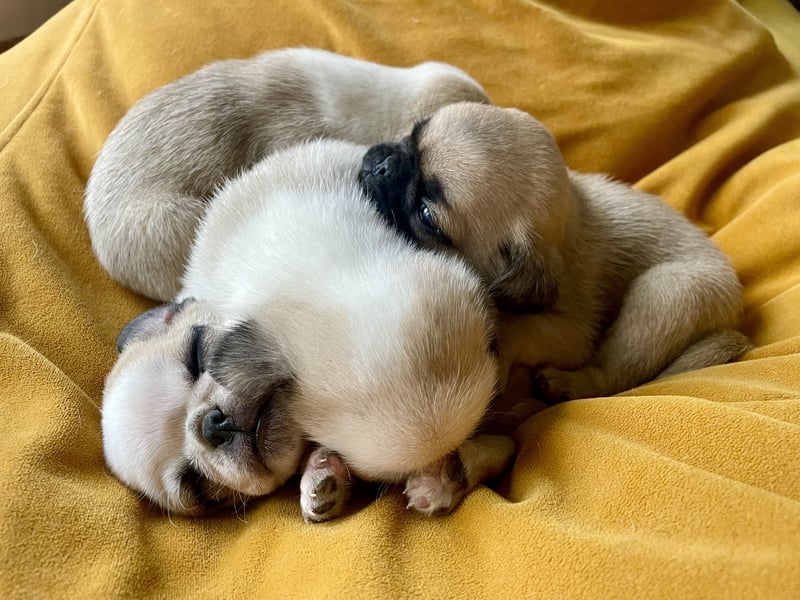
column 324, row 486
column 556, row 339
column 439, row 488
column 665, row 309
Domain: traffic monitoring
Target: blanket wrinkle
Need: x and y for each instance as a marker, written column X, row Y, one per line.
column 684, row 487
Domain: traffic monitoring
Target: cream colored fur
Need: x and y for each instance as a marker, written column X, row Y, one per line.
column 388, row 345
column 354, row 340
column 166, row 158
column 603, row 286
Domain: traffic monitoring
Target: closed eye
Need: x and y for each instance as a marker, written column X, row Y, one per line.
column 195, row 361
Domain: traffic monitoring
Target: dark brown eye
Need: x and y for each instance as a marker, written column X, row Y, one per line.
column 426, row 218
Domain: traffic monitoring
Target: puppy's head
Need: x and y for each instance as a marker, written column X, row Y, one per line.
column 185, row 423
column 485, row 182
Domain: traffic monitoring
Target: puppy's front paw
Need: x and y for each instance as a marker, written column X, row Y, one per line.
column 324, row 486
column 555, row 385
column 439, row 488
column 551, row 385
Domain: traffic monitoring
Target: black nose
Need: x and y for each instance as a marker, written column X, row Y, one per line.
column 387, row 172
column 218, row 428
column 386, row 167
column 386, row 161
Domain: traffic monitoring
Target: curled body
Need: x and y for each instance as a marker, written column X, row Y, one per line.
column 166, row 158
column 602, row 286
column 302, row 317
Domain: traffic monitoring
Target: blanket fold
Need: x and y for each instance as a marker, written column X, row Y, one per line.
column 685, row 487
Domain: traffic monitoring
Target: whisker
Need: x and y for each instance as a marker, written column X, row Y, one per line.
column 239, row 497
column 244, row 508
column 383, row 489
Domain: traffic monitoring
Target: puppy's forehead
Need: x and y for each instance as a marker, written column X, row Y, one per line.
column 467, row 145
column 469, row 128
column 479, row 151
column 448, row 138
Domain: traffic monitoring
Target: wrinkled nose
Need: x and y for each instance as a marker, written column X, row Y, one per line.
column 218, row 428
column 388, row 163
column 386, row 167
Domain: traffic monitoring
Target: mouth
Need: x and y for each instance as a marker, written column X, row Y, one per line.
column 379, row 195
column 261, row 433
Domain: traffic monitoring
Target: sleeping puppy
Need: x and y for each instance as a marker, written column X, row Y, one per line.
column 606, row 285
column 313, row 321
column 168, row 155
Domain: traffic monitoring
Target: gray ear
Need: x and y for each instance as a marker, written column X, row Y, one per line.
column 150, row 323
column 526, row 282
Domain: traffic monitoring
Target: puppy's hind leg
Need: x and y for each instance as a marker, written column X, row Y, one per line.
column 143, row 241
column 717, row 348
column 324, row 486
column 665, row 309
column 439, row 488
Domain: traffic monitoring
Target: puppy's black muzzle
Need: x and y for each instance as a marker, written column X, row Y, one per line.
column 388, row 177
column 218, row 428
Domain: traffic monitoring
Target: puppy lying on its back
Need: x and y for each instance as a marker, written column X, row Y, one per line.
column 607, row 285
column 313, row 321
column 154, row 176
column 201, row 407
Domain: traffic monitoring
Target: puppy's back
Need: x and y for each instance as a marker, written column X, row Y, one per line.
column 647, row 232
column 167, row 156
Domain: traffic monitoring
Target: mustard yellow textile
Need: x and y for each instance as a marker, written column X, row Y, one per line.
column 686, row 488
column 783, row 21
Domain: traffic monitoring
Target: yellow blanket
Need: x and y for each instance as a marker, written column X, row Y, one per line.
column 688, row 487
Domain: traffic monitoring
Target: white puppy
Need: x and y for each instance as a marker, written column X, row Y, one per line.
column 314, row 321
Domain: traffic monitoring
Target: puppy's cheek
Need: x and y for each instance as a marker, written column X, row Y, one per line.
column 279, row 440
column 229, row 465
column 237, row 466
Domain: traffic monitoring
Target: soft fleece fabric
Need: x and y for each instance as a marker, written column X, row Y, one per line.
column 689, row 487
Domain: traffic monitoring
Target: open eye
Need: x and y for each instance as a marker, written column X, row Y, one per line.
column 195, row 363
column 426, row 218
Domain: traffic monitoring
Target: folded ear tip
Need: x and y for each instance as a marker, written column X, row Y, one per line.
column 525, row 284
column 150, row 322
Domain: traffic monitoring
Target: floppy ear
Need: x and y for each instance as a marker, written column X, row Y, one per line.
column 526, row 282
column 150, row 323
